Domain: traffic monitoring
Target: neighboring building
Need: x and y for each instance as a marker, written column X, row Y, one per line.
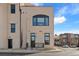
column 75, row 40
column 26, row 26
column 57, row 40
column 70, row 39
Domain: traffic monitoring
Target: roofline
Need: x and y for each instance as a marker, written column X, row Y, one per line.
column 36, row 6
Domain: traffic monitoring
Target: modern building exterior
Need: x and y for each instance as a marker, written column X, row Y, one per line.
column 26, row 26
column 70, row 39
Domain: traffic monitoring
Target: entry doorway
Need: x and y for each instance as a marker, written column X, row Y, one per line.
column 32, row 42
column 33, row 37
column 9, row 43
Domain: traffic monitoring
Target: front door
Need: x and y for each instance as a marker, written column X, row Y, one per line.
column 9, row 43
column 33, row 40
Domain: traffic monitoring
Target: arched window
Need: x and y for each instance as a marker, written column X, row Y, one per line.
column 40, row 20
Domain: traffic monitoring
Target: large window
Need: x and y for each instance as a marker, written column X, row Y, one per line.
column 47, row 38
column 40, row 20
column 12, row 8
column 12, row 27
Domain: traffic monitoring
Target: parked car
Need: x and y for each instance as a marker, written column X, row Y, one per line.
column 65, row 46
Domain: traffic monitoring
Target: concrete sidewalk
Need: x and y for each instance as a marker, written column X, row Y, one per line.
column 28, row 50
column 18, row 51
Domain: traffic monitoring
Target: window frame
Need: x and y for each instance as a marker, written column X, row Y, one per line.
column 36, row 23
column 33, row 36
column 13, row 27
column 32, row 40
column 13, row 8
column 47, row 36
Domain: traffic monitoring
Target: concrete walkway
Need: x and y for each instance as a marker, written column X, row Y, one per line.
column 18, row 51
column 27, row 50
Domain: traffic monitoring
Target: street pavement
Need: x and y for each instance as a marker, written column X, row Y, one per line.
column 17, row 52
column 64, row 52
column 57, row 52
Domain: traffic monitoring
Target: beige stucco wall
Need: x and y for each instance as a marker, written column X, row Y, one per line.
column 3, row 25
column 14, row 18
column 27, row 28
column 6, row 18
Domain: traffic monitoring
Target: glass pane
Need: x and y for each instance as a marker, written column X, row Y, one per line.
column 47, row 34
column 46, row 38
column 33, row 34
column 12, row 29
column 12, row 25
column 40, row 24
column 40, row 20
column 46, row 21
column 33, row 38
column 12, row 8
column 34, row 19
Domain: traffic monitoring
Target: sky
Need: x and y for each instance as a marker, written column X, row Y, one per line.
column 66, row 17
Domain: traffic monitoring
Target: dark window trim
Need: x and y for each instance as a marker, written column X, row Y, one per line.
column 32, row 41
column 40, row 16
column 13, row 30
column 33, row 36
column 33, row 33
column 47, row 40
column 13, row 9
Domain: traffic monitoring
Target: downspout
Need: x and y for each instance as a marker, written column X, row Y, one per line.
column 20, row 28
